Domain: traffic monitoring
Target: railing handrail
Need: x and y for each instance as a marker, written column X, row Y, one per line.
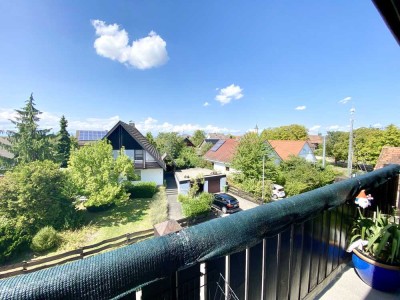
column 144, row 262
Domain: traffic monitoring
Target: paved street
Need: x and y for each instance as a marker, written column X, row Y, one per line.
column 243, row 203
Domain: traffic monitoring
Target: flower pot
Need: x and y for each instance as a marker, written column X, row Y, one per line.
column 377, row 275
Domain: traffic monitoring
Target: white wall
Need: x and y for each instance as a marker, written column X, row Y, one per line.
column 221, row 167
column 183, row 188
column 205, row 187
column 222, row 183
column 307, row 153
column 154, row 175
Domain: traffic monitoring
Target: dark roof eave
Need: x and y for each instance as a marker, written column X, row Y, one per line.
column 390, row 12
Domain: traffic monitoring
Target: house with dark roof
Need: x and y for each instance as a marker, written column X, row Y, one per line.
column 286, row 149
column 188, row 142
column 388, row 155
column 213, row 138
column 149, row 164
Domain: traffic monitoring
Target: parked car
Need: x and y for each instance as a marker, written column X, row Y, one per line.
column 226, row 203
column 278, row 191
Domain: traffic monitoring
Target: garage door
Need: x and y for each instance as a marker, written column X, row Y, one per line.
column 213, row 185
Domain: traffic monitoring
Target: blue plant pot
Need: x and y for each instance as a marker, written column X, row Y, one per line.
column 377, row 275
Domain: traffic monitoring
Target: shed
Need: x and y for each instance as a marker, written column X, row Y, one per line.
column 214, row 182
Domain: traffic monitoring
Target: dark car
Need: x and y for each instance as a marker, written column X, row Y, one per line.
column 226, row 203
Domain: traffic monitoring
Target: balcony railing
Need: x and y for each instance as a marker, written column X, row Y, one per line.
column 288, row 249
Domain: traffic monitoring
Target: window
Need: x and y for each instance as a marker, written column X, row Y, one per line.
column 138, row 154
column 227, row 169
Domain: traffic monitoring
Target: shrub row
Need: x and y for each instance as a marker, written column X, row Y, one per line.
column 194, row 206
column 141, row 189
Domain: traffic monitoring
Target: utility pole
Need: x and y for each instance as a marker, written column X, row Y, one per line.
column 262, row 197
column 324, row 152
column 350, row 154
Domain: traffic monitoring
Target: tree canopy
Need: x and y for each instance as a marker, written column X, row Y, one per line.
column 249, row 155
column 198, row 137
column 302, row 176
column 97, row 175
column 170, row 143
column 29, row 143
column 289, row 132
column 367, row 143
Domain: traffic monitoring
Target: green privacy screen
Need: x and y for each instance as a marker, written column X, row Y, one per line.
column 116, row 273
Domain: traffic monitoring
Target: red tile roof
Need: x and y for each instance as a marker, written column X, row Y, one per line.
column 287, row 148
column 389, row 155
column 225, row 153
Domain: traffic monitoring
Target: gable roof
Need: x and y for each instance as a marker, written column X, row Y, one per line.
column 315, row 139
column 287, row 148
column 217, row 136
column 224, row 153
column 389, row 155
column 138, row 137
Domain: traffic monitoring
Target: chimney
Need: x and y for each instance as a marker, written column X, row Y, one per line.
column 131, row 123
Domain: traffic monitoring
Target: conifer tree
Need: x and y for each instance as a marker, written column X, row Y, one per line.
column 64, row 142
column 29, row 143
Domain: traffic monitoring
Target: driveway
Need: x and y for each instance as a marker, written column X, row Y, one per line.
column 243, row 203
column 174, row 207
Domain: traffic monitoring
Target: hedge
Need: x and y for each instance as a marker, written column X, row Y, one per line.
column 141, row 189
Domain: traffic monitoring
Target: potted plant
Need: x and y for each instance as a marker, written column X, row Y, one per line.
column 375, row 244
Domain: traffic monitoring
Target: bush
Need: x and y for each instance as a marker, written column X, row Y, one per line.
column 34, row 195
column 194, row 206
column 47, row 238
column 108, row 196
column 13, row 238
column 141, row 189
column 159, row 207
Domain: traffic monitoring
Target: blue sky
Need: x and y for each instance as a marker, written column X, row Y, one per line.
column 220, row 66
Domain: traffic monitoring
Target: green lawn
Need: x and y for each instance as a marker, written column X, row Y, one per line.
column 132, row 216
column 129, row 217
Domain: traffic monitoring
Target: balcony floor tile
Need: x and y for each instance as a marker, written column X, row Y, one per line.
column 347, row 285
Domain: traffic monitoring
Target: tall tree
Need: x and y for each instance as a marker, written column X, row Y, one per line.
column 170, row 143
column 64, row 143
column 289, row 132
column 249, row 155
column 29, row 143
column 150, row 138
column 97, row 175
column 337, row 144
column 198, row 137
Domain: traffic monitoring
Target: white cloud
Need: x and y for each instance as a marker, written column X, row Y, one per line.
column 303, row 107
column 334, row 127
column 155, row 126
column 377, row 125
column 92, row 124
column 314, row 129
column 144, row 53
column 50, row 120
column 229, row 93
column 345, row 100
column 206, row 104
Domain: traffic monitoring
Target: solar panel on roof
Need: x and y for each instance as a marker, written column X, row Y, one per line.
column 217, row 145
column 91, row 135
